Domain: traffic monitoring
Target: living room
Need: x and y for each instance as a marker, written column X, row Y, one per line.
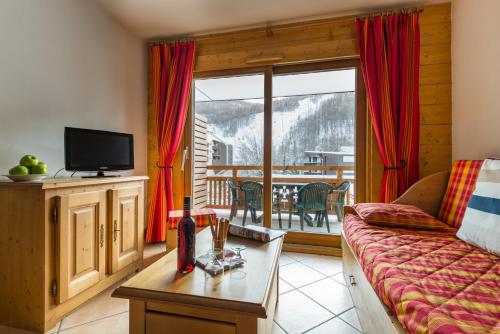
column 294, row 121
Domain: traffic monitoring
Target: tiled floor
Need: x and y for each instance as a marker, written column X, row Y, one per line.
column 313, row 299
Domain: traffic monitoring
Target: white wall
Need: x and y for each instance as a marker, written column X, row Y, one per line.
column 476, row 78
column 67, row 63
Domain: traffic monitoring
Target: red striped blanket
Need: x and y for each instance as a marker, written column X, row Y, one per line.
column 433, row 282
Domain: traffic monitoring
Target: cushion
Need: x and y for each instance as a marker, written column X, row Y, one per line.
column 481, row 222
column 397, row 215
column 460, row 187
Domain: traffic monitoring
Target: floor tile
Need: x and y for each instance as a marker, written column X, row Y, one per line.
column 339, row 278
column 117, row 324
column 296, row 313
column 153, row 249
column 284, row 286
column 12, row 330
column 327, row 265
column 336, row 326
column 277, row 329
column 295, row 256
column 351, row 317
column 330, row 294
column 297, row 274
column 99, row 307
column 162, row 246
column 285, row 259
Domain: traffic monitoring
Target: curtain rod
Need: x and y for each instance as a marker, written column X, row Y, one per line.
column 162, row 41
column 390, row 12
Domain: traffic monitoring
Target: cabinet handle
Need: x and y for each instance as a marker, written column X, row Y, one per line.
column 352, row 280
column 101, row 236
column 115, row 230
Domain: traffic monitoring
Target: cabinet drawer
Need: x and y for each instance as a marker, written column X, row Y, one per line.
column 162, row 323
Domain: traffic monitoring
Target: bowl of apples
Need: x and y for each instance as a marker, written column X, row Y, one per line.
column 29, row 169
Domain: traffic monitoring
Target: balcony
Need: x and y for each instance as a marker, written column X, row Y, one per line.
column 214, row 192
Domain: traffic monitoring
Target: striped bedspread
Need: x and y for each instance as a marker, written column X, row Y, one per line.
column 433, row 282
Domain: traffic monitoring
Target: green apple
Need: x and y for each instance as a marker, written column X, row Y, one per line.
column 28, row 161
column 39, row 169
column 18, row 170
column 42, row 164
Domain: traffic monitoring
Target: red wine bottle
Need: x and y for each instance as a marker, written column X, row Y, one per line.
column 186, row 232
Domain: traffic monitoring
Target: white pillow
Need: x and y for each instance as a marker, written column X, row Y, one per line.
column 481, row 223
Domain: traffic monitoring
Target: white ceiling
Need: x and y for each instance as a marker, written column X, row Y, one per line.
column 169, row 18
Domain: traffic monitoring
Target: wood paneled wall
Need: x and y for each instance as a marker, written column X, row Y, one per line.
column 336, row 39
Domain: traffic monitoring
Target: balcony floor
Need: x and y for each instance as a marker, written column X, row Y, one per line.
column 335, row 225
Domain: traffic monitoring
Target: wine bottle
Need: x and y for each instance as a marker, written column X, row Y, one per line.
column 186, row 232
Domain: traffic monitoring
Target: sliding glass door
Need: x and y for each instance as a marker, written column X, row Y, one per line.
column 313, row 148
column 280, row 146
column 228, row 145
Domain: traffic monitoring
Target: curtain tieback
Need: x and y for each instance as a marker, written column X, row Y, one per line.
column 401, row 166
column 158, row 165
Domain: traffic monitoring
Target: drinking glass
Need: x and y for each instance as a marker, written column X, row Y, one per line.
column 214, row 264
column 237, row 264
column 218, row 244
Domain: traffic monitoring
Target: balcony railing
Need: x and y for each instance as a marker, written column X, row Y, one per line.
column 219, row 195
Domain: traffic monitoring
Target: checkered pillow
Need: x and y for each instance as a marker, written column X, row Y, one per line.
column 460, row 187
column 397, row 215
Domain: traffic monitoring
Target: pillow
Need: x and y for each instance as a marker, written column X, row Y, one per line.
column 481, row 223
column 397, row 215
column 460, row 187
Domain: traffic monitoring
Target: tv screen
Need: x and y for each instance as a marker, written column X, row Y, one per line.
column 95, row 150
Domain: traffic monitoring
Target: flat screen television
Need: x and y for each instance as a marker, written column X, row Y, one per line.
column 98, row 151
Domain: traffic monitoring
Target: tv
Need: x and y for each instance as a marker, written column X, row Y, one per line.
column 87, row 150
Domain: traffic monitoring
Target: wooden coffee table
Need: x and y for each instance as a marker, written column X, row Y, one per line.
column 165, row 301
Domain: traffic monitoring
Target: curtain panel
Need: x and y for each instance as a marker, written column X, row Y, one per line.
column 171, row 73
column 389, row 54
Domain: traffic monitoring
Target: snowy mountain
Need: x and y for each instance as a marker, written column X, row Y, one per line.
column 323, row 122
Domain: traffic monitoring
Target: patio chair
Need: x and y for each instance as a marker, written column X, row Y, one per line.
column 253, row 201
column 235, row 201
column 339, row 200
column 313, row 197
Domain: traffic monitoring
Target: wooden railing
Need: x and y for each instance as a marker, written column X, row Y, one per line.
column 218, row 193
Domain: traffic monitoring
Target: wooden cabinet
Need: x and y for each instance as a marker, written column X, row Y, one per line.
column 64, row 241
column 127, row 205
column 80, row 251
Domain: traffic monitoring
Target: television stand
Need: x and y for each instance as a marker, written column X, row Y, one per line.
column 99, row 174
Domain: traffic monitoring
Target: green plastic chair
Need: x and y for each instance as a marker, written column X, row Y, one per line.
column 314, row 197
column 339, row 200
column 254, row 193
column 253, row 199
column 235, row 201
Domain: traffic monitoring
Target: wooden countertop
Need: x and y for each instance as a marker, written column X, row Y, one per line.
column 51, row 183
column 161, row 282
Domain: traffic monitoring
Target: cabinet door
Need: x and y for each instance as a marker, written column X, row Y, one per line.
column 126, row 230
column 80, row 246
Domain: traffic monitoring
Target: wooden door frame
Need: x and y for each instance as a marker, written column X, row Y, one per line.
column 298, row 237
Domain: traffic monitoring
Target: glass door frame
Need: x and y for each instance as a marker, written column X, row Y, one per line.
column 298, row 237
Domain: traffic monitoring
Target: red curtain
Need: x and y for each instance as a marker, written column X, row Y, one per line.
column 172, row 73
column 389, row 51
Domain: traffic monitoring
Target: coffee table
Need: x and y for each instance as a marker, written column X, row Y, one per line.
column 165, row 301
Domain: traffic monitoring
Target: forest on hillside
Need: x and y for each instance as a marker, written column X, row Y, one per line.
column 323, row 122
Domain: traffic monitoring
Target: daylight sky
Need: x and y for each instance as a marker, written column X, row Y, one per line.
column 252, row 86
